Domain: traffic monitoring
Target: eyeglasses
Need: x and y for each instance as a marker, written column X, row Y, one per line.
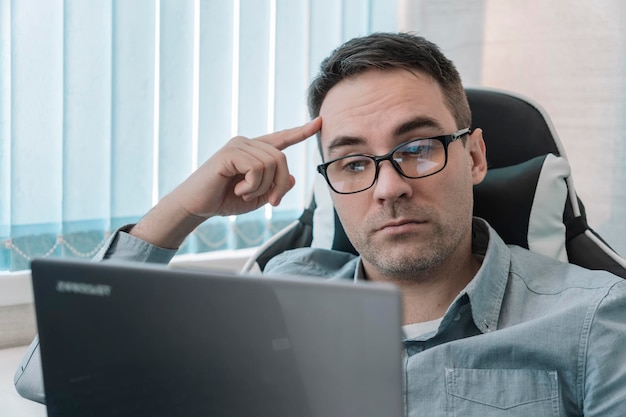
column 417, row 158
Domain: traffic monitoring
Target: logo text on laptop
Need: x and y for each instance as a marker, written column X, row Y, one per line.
column 99, row 290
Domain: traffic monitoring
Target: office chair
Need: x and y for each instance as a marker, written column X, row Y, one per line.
column 528, row 195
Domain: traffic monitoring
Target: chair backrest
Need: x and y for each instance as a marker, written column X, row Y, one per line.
column 528, row 195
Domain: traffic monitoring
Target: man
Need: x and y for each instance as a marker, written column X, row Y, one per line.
column 490, row 329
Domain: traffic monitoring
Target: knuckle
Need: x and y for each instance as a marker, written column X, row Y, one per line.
column 257, row 165
column 281, row 157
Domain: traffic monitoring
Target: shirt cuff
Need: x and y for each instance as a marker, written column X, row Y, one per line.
column 121, row 246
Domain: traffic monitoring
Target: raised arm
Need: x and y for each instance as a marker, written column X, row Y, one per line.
column 242, row 176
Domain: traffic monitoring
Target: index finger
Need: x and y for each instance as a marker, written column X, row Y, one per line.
column 285, row 138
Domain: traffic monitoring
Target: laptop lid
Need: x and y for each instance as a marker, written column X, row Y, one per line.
column 137, row 339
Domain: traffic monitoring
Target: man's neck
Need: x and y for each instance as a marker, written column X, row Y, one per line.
column 429, row 293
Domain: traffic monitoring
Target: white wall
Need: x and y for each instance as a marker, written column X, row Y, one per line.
column 568, row 55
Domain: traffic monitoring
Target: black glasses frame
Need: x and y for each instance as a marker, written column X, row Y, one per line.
column 444, row 139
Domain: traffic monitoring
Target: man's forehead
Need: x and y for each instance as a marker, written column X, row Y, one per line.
column 383, row 103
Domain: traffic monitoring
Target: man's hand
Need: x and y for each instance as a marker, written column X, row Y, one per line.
column 242, row 176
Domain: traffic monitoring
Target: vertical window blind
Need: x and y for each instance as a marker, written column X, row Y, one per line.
column 105, row 106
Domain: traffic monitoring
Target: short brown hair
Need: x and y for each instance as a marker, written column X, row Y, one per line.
column 388, row 51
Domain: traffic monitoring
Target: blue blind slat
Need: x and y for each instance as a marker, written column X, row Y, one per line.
column 292, row 79
column 383, row 16
column 216, row 76
column 37, row 113
column 132, row 109
column 5, row 118
column 355, row 18
column 325, row 31
column 87, row 112
column 176, row 93
column 253, row 67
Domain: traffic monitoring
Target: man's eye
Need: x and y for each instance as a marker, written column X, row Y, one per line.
column 419, row 149
column 415, row 151
column 355, row 165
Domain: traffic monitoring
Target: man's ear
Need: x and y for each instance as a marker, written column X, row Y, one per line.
column 478, row 154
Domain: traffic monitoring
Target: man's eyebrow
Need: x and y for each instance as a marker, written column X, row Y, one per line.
column 342, row 141
column 417, row 123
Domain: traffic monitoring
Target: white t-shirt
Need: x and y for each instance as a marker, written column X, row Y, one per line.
column 417, row 329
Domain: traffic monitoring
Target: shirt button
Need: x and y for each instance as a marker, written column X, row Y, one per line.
column 486, row 324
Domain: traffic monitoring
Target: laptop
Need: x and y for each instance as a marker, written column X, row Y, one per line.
column 130, row 339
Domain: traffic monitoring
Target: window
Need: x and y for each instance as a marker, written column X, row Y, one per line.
column 107, row 105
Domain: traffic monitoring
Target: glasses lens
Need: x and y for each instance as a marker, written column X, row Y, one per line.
column 420, row 158
column 351, row 174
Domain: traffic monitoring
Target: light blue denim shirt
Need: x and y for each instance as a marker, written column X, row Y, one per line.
column 528, row 336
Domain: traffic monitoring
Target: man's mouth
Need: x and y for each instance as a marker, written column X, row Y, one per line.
column 400, row 226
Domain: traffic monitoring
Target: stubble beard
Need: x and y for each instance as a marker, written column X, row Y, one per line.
column 411, row 258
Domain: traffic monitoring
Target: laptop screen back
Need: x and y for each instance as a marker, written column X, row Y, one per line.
column 132, row 339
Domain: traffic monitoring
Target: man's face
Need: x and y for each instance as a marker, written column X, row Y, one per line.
column 401, row 226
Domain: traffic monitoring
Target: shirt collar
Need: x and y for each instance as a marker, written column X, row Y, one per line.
column 486, row 290
column 359, row 272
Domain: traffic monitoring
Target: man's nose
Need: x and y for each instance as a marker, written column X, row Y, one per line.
column 390, row 184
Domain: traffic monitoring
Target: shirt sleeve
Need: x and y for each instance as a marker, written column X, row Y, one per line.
column 120, row 246
column 28, row 377
column 314, row 262
column 604, row 379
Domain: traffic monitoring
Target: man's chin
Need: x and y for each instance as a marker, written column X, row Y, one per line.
column 409, row 262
